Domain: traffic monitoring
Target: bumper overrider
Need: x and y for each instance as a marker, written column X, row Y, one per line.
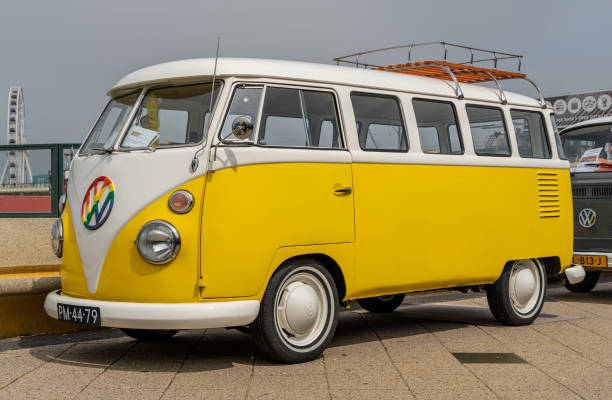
column 162, row 315
column 575, row 274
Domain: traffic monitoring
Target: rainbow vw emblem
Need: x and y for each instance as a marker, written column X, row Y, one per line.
column 98, row 202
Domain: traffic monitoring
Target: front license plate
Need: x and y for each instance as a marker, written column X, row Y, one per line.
column 591, row 261
column 79, row 314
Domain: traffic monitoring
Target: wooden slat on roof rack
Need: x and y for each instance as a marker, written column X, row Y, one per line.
column 463, row 73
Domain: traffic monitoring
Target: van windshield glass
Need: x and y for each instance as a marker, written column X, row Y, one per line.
column 589, row 149
column 171, row 116
column 110, row 124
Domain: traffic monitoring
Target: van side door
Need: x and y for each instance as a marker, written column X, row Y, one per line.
column 290, row 184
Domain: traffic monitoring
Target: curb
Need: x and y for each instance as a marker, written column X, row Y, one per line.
column 22, row 294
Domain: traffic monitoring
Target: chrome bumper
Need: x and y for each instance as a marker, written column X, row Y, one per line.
column 163, row 315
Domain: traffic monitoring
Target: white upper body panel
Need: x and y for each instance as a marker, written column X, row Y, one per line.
column 200, row 68
column 594, row 121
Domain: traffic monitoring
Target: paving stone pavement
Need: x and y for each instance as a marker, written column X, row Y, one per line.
column 565, row 354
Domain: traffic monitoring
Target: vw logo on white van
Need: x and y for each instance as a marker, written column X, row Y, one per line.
column 587, row 217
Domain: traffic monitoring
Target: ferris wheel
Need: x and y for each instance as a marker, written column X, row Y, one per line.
column 17, row 170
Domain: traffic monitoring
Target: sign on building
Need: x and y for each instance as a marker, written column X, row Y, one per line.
column 580, row 107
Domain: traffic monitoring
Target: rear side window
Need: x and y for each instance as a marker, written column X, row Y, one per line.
column 379, row 122
column 437, row 123
column 489, row 132
column 530, row 133
column 299, row 118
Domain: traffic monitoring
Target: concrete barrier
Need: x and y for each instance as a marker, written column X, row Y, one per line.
column 22, row 294
column 26, row 241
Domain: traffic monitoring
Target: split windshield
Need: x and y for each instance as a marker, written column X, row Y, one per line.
column 170, row 116
column 589, row 149
column 110, row 124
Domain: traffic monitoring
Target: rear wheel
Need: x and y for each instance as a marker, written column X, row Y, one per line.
column 589, row 282
column 382, row 304
column 518, row 295
column 298, row 314
column 150, row 335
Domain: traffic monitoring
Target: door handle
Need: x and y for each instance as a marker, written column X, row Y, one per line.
column 346, row 190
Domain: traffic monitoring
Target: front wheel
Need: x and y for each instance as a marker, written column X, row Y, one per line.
column 382, row 304
column 150, row 335
column 518, row 295
column 589, row 282
column 298, row 313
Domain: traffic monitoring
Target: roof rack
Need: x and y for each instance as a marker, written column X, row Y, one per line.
column 465, row 71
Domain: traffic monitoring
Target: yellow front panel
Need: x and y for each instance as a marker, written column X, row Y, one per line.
column 73, row 278
column 125, row 275
column 421, row 227
column 251, row 211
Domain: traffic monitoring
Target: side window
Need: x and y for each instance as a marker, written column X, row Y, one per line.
column 530, row 134
column 329, row 134
column 299, row 118
column 430, row 139
column 437, row 123
column 455, row 140
column 245, row 102
column 488, row 130
column 379, row 122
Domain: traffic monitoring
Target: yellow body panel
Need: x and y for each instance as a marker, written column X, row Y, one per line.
column 73, row 278
column 252, row 211
column 125, row 275
column 421, row 227
column 404, row 228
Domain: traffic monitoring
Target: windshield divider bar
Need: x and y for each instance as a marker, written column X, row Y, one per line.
column 130, row 119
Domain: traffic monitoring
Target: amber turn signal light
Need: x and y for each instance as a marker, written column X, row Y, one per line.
column 181, row 201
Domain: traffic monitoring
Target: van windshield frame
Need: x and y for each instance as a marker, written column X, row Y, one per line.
column 88, row 147
column 135, row 108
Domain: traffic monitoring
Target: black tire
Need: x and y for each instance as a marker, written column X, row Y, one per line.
column 500, row 294
column 382, row 304
column 150, row 335
column 589, row 282
column 271, row 329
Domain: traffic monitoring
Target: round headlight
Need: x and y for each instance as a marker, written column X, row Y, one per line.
column 158, row 242
column 180, row 201
column 57, row 237
column 62, row 203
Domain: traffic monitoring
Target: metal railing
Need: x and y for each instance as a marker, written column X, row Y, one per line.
column 60, row 156
column 493, row 56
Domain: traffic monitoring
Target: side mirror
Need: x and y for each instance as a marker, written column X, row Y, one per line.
column 242, row 127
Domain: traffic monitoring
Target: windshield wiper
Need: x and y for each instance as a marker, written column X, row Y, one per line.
column 101, row 150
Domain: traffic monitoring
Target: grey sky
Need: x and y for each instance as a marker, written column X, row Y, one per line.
column 67, row 54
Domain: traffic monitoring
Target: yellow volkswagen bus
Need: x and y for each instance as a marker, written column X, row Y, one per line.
column 306, row 187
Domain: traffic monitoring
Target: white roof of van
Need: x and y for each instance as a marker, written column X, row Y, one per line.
column 588, row 122
column 202, row 68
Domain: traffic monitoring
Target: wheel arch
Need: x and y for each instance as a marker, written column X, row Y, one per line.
column 328, row 262
column 552, row 265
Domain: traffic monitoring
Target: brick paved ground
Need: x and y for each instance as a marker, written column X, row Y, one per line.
column 566, row 354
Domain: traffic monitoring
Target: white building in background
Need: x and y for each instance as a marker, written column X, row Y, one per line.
column 17, row 170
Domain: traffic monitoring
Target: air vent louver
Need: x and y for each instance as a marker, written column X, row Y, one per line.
column 548, row 195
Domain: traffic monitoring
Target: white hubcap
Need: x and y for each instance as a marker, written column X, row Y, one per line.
column 525, row 286
column 301, row 309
